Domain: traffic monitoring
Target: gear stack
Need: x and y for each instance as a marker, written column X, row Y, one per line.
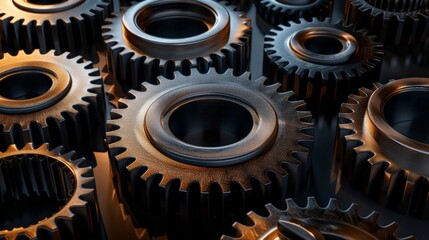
column 386, row 134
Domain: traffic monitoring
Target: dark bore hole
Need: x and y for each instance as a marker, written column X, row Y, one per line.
column 46, row 2
column 211, row 123
column 323, row 45
column 25, row 85
column 176, row 27
column 407, row 113
column 32, row 188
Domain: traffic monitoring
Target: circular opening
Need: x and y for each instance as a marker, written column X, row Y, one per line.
column 46, row 2
column 210, row 122
column 323, row 45
column 175, row 20
column 33, row 187
column 25, row 85
column 407, row 113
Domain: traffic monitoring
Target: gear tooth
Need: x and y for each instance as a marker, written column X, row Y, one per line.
column 272, row 210
column 28, row 146
column 291, row 204
column 373, row 217
column 312, row 203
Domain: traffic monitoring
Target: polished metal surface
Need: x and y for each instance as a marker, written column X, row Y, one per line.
column 43, row 6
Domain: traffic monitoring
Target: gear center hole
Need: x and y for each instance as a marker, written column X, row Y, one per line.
column 45, row 2
column 211, row 122
column 324, row 45
column 407, row 113
column 25, row 85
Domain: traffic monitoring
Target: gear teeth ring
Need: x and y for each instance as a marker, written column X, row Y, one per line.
column 383, row 156
column 135, row 56
column 162, row 177
column 30, row 177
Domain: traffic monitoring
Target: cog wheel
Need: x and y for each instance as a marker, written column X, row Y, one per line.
column 70, row 25
column 394, row 22
column 278, row 12
column 203, row 149
column 314, row 222
column 48, row 98
column 44, row 194
column 321, row 61
column 386, row 144
column 201, row 34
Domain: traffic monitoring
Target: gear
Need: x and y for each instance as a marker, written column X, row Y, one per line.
column 142, row 43
column 70, row 25
column 314, row 222
column 45, row 195
column 278, row 12
column 48, row 98
column 321, row 61
column 386, row 144
column 210, row 147
column 395, row 22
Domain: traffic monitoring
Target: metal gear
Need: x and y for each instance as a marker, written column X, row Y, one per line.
column 48, row 98
column 209, row 146
column 70, row 25
column 314, row 222
column 142, row 43
column 386, row 144
column 320, row 61
column 395, row 22
column 56, row 187
column 278, row 12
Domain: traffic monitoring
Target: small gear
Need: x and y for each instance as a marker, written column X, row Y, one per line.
column 314, row 222
column 70, row 25
column 205, row 148
column 44, row 194
column 143, row 43
column 320, row 61
column 386, row 144
column 278, row 12
column 48, row 98
column 394, row 22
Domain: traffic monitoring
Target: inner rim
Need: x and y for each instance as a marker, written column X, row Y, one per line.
column 46, row 2
column 407, row 113
column 397, row 6
column 32, row 188
column 25, row 85
column 210, row 122
column 326, row 45
column 175, row 20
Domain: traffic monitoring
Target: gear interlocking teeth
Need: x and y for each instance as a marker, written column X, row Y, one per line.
column 394, row 22
column 384, row 137
column 197, row 34
column 57, row 188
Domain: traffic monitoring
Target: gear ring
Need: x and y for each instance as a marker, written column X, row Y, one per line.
column 389, row 153
column 314, row 222
column 69, row 25
column 395, row 22
column 227, row 99
column 30, row 176
column 144, row 45
column 321, row 61
column 62, row 105
column 278, row 12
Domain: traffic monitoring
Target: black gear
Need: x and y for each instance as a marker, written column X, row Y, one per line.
column 314, row 222
column 278, row 12
column 320, row 61
column 217, row 36
column 383, row 156
column 394, row 22
column 174, row 174
column 44, row 194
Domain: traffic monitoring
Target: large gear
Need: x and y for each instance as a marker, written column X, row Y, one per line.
column 205, row 148
column 71, row 25
column 386, row 144
column 44, row 194
column 314, row 222
column 278, row 12
column 395, row 22
column 320, row 61
column 48, row 98
column 143, row 43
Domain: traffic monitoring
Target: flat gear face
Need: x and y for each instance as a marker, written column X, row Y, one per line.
column 41, row 172
column 207, row 172
column 383, row 162
column 314, row 222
